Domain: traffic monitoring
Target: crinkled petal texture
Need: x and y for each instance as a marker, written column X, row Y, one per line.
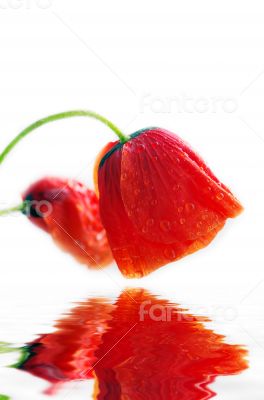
column 159, row 201
column 70, row 214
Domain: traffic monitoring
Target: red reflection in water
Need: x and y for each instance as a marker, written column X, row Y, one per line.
column 140, row 348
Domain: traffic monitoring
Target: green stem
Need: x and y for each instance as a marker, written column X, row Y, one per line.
column 17, row 208
column 56, row 117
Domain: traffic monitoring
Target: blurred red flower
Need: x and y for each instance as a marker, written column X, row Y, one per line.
column 69, row 212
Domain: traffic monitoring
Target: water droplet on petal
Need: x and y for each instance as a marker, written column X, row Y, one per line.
column 136, row 192
column 176, row 187
column 154, row 145
column 189, row 207
column 140, row 147
column 180, row 209
column 165, row 226
column 146, row 181
column 169, row 253
column 220, row 196
column 154, row 202
column 182, row 221
column 210, row 228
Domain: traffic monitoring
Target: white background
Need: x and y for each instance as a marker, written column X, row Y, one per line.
column 195, row 68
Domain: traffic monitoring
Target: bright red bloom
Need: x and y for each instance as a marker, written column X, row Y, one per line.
column 69, row 212
column 159, row 201
column 140, row 348
column 164, row 353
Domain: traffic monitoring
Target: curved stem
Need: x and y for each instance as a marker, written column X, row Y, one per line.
column 17, row 208
column 56, row 117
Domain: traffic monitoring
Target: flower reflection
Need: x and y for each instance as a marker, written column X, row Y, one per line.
column 139, row 348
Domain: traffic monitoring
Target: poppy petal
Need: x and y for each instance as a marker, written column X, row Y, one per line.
column 135, row 255
column 167, row 194
column 99, row 158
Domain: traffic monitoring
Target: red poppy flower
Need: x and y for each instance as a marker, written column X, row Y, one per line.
column 140, row 348
column 164, row 353
column 69, row 212
column 68, row 353
column 158, row 200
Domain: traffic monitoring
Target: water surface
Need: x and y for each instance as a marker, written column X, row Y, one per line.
column 137, row 346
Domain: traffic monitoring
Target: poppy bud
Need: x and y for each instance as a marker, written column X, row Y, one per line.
column 158, row 201
column 69, row 212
